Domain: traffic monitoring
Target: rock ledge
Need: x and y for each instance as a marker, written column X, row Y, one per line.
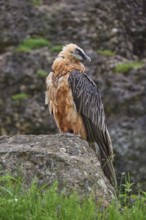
column 48, row 158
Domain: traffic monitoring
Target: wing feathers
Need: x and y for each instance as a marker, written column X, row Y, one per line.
column 88, row 103
column 87, row 98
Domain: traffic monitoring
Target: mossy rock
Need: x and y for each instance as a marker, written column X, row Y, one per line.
column 41, row 73
column 31, row 44
column 19, row 96
column 125, row 67
column 106, row 53
column 36, row 2
column 56, row 48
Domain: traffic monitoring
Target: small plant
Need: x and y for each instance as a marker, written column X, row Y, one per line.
column 126, row 191
column 125, row 67
column 41, row 73
column 19, row 96
column 32, row 43
column 56, row 48
column 106, row 52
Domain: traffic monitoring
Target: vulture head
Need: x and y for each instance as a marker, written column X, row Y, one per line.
column 73, row 52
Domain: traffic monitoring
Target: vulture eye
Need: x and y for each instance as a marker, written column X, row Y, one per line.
column 77, row 51
column 80, row 55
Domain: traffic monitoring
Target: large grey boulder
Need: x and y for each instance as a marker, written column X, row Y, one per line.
column 63, row 158
column 118, row 26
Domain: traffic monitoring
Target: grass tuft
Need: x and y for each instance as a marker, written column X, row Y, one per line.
column 17, row 203
column 31, row 44
column 106, row 52
column 41, row 73
column 56, row 48
column 43, row 203
column 125, row 67
column 37, row 2
column 19, row 96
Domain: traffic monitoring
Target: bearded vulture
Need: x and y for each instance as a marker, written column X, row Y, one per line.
column 76, row 105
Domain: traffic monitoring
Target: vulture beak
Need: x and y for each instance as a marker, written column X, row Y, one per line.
column 88, row 59
column 79, row 54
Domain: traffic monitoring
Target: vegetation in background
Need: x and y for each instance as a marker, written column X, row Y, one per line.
column 41, row 73
column 43, row 203
column 125, row 67
column 32, row 43
column 56, row 48
column 37, row 2
column 19, row 96
column 106, row 52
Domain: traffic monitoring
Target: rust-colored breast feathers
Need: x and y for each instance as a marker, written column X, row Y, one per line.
column 61, row 105
column 63, row 66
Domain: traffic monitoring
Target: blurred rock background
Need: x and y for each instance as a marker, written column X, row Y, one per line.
column 113, row 34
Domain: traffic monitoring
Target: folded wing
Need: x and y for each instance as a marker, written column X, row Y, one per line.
column 89, row 104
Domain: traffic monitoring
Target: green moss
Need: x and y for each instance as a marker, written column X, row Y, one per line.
column 22, row 48
column 36, row 2
column 106, row 52
column 125, row 67
column 56, row 48
column 32, row 43
column 19, row 96
column 41, row 73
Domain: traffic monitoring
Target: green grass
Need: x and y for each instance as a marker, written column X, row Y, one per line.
column 17, row 203
column 19, row 96
column 56, row 48
column 31, row 44
column 43, row 203
column 125, row 67
column 41, row 73
column 36, row 2
column 106, row 53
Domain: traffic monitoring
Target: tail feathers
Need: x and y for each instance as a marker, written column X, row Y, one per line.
column 108, row 169
column 101, row 143
column 106, row 163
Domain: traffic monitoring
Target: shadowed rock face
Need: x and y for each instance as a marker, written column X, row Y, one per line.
column 117, row 25
column 66, row 159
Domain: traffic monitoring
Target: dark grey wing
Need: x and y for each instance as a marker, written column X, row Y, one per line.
column 89, row 104
column 87, row 98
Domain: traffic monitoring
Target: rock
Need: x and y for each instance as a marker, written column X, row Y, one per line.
column 63, row 158
column 118, row 26
column 18, row 20
column 20, row 75
column 124, row 97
